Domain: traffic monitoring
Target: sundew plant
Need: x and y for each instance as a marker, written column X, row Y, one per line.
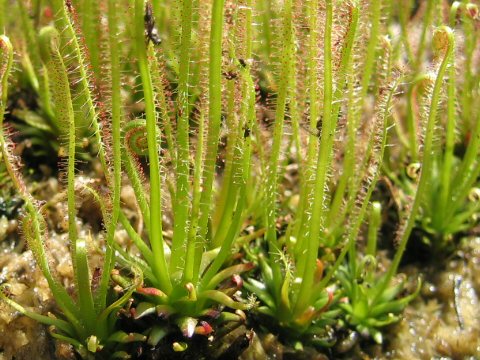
column 450, row 202
column 253, row 135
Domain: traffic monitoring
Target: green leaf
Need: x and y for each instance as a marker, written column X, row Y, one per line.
column 33, row 119
column 144, row 309
column 123, row 337
column 156, row 334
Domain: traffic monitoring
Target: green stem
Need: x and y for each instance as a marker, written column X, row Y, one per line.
column 226, row 197
column 347, row 180
column 70, row 45
column 317, row 220
column 448, row 157
column 266, row 11
column 31, row 40
column 373, row 227
column 271, row 189
column 249, row 110
column 215, row 111
column 49, row 39
column 160, row 87
column 182, row 193
column 117, row 156
column 427, row 22
column 2, row 16
column 346, row 74
column 358, row 215
column 90, row 21
column 84, row 287
column 6, row 61
column 159, row 267
column 404, row 13
column 445, row 42
column 189, row 274
column 412, row 118
column 32, row 228
column 137, row 240
column 314, row 115
column 371, row 51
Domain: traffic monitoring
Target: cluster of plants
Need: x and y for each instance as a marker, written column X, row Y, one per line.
column 254, row 135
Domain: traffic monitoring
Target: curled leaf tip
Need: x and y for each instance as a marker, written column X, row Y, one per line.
column 442, row 39
column 472, row 10
column 49, row 40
